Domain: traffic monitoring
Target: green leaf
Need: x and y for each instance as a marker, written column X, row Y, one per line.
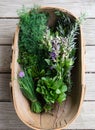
column 56, row 84
column 61, row 98
column 42, row 72
column 62, row 63
column 58, row 91
column 58, row 67
column 47, row 107
column 69, row 62
column 52, row 93
column 64, row 88
column 38, row 89
column 48, row 61
column 36, row 107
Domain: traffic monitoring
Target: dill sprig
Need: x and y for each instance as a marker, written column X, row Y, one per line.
column 32, row 26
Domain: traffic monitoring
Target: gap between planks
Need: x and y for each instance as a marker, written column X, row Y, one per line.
column 18, row 18
column 9, row 17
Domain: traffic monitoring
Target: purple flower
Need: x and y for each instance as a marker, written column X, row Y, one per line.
column 56, row 46
column 53, row 55
column 21, row 74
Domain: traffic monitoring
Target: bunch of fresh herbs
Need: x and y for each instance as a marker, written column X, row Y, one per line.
column 27, row 87
column 46, row 54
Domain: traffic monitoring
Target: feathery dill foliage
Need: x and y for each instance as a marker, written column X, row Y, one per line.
column 32, row 26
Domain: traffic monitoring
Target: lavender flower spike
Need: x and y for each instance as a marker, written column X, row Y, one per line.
column 21, row 74
column 53, row 55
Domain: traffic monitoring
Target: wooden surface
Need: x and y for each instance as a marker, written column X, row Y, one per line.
column 8, row 21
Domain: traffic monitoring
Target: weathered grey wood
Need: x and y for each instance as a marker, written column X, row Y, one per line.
column 86, row 120
column 9, row 120
column 89, row 31
column 5, row 58
column 4, row 87
column 90, row 86
column 90, row 58
column 8, row 8
column 7, row 29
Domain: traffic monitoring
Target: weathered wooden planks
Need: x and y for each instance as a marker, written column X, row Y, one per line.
column 7, row 30
column 89, row 31
column 10, row 121
column 5, row 58
column 8, row 8
column 8, row 118
column 90, row 86
column 86, row 120
column 4, row 87
column 90, row 58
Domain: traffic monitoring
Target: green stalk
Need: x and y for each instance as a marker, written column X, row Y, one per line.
column 27, row 87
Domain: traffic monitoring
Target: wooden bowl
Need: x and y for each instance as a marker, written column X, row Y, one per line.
column 64, row 114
